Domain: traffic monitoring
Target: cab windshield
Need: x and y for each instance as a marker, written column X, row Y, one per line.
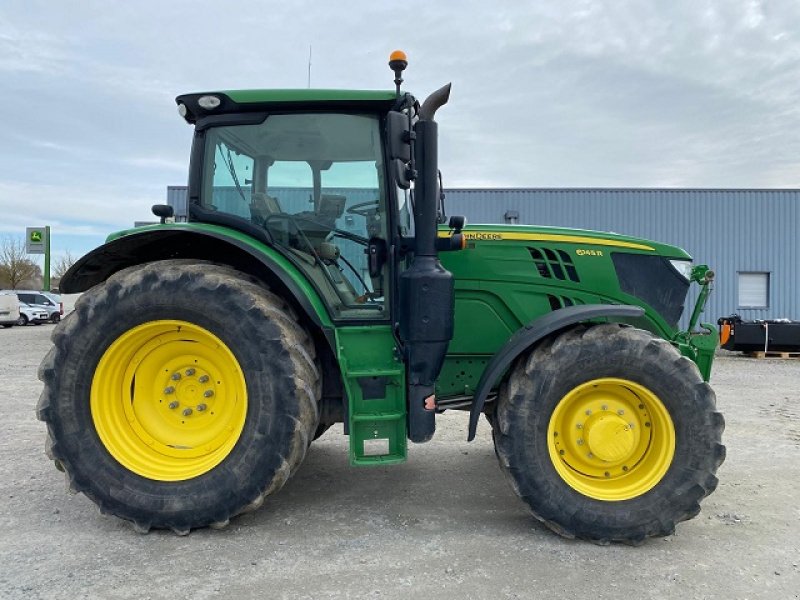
column 314, row 182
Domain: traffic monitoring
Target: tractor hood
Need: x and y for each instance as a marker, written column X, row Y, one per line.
column 558, row 267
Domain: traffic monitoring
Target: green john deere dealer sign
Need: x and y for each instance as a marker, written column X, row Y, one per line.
column 35, row 240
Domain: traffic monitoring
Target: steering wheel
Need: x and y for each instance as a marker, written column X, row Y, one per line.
column 363, row 209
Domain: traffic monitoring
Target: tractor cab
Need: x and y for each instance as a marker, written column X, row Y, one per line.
column 312, row 184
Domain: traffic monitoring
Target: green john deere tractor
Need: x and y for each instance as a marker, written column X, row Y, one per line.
column 315, row 281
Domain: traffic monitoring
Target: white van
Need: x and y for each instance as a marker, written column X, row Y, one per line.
column 9, row 309
column 46, row 301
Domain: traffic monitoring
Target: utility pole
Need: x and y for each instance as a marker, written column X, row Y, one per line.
column 47, row 259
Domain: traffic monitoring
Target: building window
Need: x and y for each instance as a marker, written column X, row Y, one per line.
column 753, row 290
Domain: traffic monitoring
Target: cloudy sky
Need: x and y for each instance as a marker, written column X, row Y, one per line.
column 686, row 93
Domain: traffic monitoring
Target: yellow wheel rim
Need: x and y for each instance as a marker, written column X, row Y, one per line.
column 168, row 400
column 611, row 439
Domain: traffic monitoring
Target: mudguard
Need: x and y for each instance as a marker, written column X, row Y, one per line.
column 527, row 336
column 210, row 243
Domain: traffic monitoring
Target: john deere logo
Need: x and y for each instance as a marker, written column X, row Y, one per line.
column 36, row 236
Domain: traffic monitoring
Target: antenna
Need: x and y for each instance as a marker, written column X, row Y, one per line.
column 309, row 66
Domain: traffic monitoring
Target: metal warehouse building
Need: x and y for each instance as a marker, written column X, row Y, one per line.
column 749, row 237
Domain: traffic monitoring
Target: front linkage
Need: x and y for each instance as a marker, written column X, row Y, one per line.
column 699, row 346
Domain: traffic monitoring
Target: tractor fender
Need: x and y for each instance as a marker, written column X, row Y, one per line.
column 528, row 336
column 161, row 242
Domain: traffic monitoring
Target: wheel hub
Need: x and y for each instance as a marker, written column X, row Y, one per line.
column 168, row 400
column 611, row 439
column 189, row 387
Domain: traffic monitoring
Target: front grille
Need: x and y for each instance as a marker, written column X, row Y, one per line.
column 654, row 281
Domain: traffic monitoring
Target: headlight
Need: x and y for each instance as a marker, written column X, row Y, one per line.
column 209, row 102
column 684, row 267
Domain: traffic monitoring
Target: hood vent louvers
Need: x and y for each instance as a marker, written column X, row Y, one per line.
column 554, row 264
column 557, row 302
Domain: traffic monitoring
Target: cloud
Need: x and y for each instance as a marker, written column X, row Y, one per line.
column 84, row 209
column 158, row 162
column 25, row 50
column 632, row 93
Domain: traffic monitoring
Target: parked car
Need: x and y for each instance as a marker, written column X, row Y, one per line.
column 32, row 314
column 47, row 301
column 9, row 309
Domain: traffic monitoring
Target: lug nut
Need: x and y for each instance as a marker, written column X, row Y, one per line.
column 203, row 378
column 604, row 407
column 176, row 376
column 580, row 442
column 169, row 390
column 187, row 412
column 208, row 393
column 201, row 407
column 579, row 426
column 189, row 372
column 173, row 405
column 620, row 412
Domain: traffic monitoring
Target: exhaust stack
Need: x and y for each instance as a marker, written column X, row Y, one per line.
column 427, row 297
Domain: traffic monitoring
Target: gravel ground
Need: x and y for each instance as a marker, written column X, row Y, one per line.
column 443, row 525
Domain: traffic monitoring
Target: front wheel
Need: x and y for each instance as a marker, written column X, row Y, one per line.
column 22, row 321
column 609, row 434
column 178, row 395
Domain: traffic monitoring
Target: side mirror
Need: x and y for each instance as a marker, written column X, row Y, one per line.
column 163, row 211
column 457, row 223
column 398, row 136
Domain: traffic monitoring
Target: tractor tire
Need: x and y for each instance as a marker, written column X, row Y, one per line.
column 608, row 434
column 179, row 394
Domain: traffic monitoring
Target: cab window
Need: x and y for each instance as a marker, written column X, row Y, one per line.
column 314, row 183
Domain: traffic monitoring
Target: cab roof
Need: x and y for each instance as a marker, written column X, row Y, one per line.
column 239, row 101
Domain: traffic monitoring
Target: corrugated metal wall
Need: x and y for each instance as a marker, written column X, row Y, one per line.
column 730, row 230
column 177, row 198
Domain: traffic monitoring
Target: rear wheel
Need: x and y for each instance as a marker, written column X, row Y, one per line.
column 55, row 318
column 178, row 395
column 608, row 434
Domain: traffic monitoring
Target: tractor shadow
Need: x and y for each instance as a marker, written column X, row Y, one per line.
column 447, row 484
